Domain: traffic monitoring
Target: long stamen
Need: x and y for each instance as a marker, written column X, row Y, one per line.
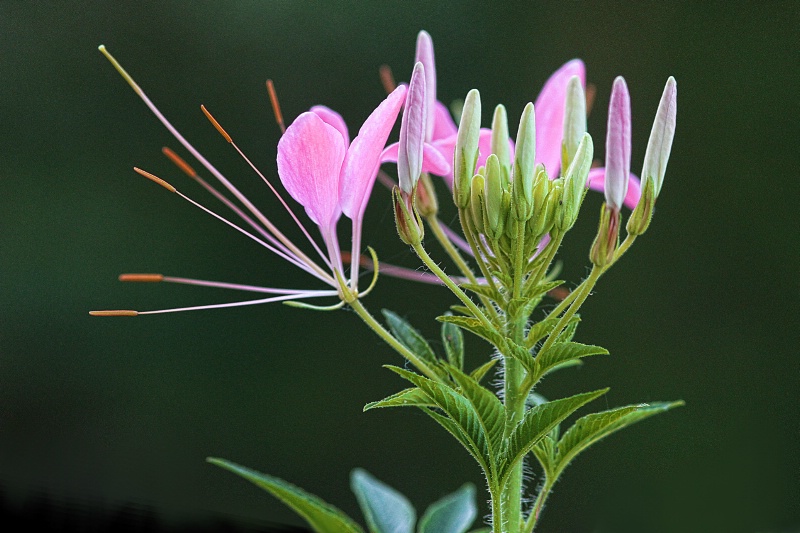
column 310, row 294
column 318, row 273
column 211, row 168
column 276, row 107
column 184, row 166
column 387, row 78
column 153, row 278
column 269, row 184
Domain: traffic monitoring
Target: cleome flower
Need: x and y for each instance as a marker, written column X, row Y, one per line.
column 551, row 110
column 319, row 167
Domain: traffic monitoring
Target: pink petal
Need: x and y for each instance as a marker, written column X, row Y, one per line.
column 310, row 156
column 485, row 147
column 549, row 109
column 363, row 157
column 618, row 144
column 412, row 131
column 435, row 162
column 334, row 119
column 425, row 56
column 596, row 182
column 443, row 124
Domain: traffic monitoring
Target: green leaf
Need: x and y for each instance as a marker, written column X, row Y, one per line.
column 569, row 330
column 412, row 397
column 321, row 516
column 482, row 290
column 408, row 336
column 563, row 352
column 385, row 509
column 460, row 411
column 537, row 423
column 490, row 410
column 545, row 451
column 481, row 371
column 475, row 326
column 540, row 330
column 452, row 514
column 521, row 354
column 591, row 428
column 453, row 341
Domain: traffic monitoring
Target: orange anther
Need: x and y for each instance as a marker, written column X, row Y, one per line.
column 179, row 162
column 154, row 178
column 121, row 312
column 216, row 124
column 144, row 278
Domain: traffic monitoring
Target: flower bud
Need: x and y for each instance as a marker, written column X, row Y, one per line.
column 476, row 202
column 640, row 218
column 618, row 145
column 605, row 243
column 425, row 56
column 409, row 224
column 500, row 142
column 574, row 120
column 412, row 132
column 466, row 151
column 426, row 201
column 544, row 218
column 525, row 170
column 660, row 143
column 493, row 198
column 575, row 184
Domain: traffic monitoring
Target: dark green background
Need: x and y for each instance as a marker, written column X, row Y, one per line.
column 104, row 412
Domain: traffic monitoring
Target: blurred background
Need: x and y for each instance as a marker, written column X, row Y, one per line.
column 101, row 416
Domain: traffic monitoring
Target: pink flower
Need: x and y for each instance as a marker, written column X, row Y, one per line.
column 319, row 167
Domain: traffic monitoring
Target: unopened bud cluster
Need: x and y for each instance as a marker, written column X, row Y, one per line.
column 510, row 204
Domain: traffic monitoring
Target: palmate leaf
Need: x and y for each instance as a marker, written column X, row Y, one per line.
column 384, row 508
column 591, row 428
column 562, row 352
column 537, row 423
column 452, row 514
column 408, row 336
column 412, row 397
column 453, row 341
column 462, row 421
column 321, row 516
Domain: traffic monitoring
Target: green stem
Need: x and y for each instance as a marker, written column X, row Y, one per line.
column 447, row 244
column 391, row 341
column 583, row 293
column 530, row 524
column 461, row 295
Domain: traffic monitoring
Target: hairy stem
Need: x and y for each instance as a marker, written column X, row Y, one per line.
column 391, row 341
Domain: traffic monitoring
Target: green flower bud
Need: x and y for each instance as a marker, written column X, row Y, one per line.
column 409, row 224
column 466, row 151
column 476, row 203
column 493, row 198
column 545, row 217
column 605, row 243
column 500, row 142
column 574, row 121
column 575, row 184
column 541, row 188
column 639, row 220
column 426, row 201
column 525, row 171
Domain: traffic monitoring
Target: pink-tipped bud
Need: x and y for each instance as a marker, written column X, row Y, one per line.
column 618, row 145
column 425, row 56
column 660, row 143
column 412, row 132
